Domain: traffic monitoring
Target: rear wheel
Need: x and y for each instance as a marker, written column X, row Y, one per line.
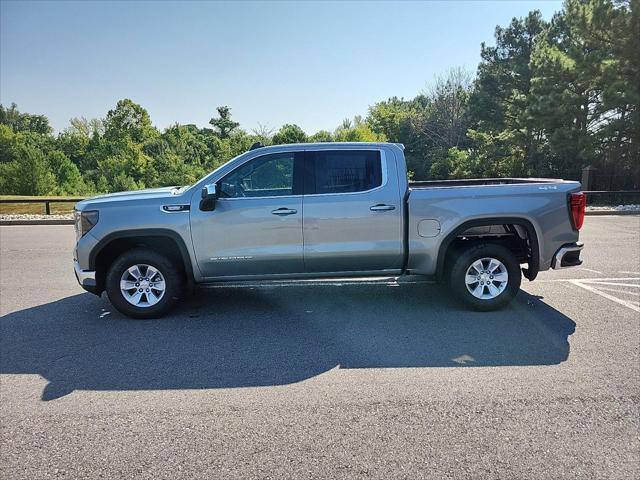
column 486, row 276
column 142, row 283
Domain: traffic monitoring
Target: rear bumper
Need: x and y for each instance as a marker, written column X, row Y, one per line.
column 86, row 278
column 567, row 256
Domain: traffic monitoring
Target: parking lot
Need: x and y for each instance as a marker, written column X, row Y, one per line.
column 322, row 381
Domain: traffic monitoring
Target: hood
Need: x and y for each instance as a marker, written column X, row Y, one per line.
column 135, row 195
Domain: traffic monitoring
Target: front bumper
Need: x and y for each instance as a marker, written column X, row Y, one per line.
column 86, row 278
column 567, row 256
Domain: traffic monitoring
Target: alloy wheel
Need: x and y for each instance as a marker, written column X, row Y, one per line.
column 486, row 278
column 142, row 285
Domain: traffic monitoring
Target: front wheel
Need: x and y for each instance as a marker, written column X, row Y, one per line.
column 486, row 276
column 142, row 283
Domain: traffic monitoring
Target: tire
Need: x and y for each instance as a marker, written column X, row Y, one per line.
column 489, row 292
column 149, row 301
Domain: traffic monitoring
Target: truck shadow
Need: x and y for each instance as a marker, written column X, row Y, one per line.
column 245, row 337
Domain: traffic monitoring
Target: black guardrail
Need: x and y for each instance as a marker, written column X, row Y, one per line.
column 47, row 201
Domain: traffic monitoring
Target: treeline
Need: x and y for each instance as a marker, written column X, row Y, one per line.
column 548, row 99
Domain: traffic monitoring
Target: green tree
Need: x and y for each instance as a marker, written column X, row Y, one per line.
column 586, row 89
column 223, row 123
column 69, row 181
column 502, row 97
column 128, row 121
column 23, row 122
column 321, row 136
column 289, row 133
column 357, row 130
column 7, row 142
column 396, row 120
column 28, row 174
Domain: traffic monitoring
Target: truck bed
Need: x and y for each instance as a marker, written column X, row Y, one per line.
column 438, row 208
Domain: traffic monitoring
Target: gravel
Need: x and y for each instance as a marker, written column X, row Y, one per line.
column 617, row 208
column 29, row 216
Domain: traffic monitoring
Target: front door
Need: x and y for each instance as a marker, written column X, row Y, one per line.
column 256, row 227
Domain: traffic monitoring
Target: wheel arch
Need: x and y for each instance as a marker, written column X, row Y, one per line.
column 533, row 253
column 164, row 241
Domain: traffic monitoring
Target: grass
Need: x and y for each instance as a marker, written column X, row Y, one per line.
column 33, row 208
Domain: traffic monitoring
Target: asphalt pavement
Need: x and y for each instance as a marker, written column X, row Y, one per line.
column 322, row 381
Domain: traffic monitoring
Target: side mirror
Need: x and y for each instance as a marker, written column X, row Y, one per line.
column 209, row 197
column 209, row 191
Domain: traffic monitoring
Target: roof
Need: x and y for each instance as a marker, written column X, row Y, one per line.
column 328, row 145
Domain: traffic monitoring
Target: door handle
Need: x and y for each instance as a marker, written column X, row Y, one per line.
column 284, row 211
column 381, row 207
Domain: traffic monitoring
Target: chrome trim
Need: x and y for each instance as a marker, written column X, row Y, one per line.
column 210, row 190
column 557, row 258
column 185, row 207
column 85, row 277
column 233, row 199
column 301, row 276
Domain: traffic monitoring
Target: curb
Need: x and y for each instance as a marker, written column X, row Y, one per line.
column 612, row 212
column 36, row 222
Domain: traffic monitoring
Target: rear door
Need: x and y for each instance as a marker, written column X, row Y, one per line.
column 256, row 227
column 352, row 212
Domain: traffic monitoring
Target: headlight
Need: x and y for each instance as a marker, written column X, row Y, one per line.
column 84, row 221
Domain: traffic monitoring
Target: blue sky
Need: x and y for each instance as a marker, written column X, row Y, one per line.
column 308, row 63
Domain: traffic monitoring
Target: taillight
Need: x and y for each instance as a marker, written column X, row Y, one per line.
column 577, row 203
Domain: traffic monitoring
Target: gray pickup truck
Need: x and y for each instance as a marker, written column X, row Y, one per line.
column 325, row 210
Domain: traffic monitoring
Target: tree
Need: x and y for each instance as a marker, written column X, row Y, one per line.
column 289, row 133
column 263, row 134
column 24, row 122
column 394, row 118
column 457, row 164
column 224, row 124
column 500, row 102
column 7, row 142
column 80, row 126
column 75, row 146
column 28, row 174
column 358, row 132
column 585, row 89
column 321, row 136
column 128, row 121
column 445, row 121
column 69, row 181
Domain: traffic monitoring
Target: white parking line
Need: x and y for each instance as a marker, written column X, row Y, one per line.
column 589, row 280
column 589, row 286
column 597, row 282
column 617, row 290
column 591, row 270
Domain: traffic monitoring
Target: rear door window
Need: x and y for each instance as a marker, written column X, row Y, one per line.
column 343, row 171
